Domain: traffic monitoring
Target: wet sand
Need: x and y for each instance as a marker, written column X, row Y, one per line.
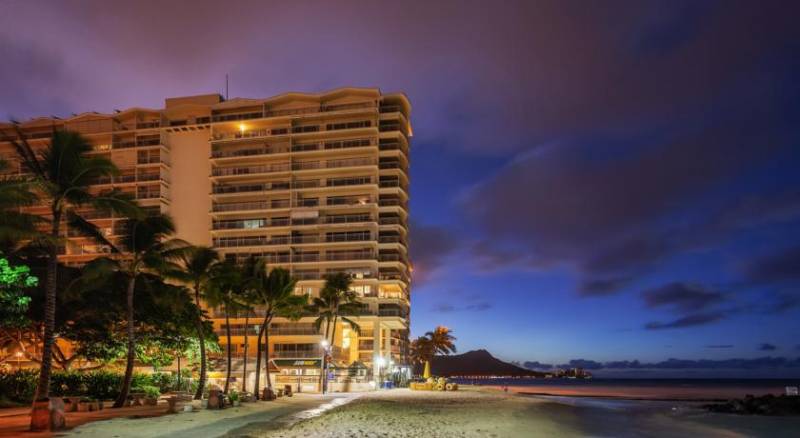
column 481, row 413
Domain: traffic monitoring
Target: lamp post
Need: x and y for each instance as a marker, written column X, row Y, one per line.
column 380, row 361
column 325, row 346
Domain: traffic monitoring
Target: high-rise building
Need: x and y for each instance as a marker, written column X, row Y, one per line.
column 315, row 183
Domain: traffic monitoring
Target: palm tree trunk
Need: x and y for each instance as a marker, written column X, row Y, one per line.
column 201, row 337
column 258, row 360
column 126, row 382
column 43, row 387
column 179, row 371
column 266, row 351
column 246, row 345
column 228, row 335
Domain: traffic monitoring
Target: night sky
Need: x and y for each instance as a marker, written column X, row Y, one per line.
column 605, row 181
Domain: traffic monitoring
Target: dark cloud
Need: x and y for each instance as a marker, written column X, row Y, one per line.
column 767, row 347
column 602, row 287
column 583, row 363
column 687, row 321
column 536, row 365
column 783, row 266
column 761, row 362
column 719, row 346
column 474, row 307
column 444, row 308
column 430, row 246
column 682, row 297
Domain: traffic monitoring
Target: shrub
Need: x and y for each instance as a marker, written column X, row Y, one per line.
column 163, row 381
column 19, row 386
column 151, row 391
column 102, row 385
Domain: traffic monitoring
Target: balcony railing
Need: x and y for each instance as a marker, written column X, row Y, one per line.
column 268, row 150
column 247, row 206
column 232, row 242
column 250, row 170
column 248, row 224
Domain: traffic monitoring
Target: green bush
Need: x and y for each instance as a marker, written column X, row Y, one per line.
column 19, row 386
column 151, row 391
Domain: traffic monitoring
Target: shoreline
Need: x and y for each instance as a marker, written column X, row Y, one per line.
column 684, row 393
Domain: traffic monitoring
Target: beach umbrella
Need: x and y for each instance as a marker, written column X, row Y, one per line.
column 427, row 373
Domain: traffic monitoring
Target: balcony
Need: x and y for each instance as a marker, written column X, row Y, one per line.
column 332, row 164
column 248, row 206
column 247, row 188
column 267, row 150
column 250, row 170
column 249, row 224
column 234, row 242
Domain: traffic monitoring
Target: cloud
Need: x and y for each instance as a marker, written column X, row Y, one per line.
column 536, row 365
column 683, row 364
column 602, row 287
column 686, row 321
column 474, row 307
column 778, row 267
column 719, row 346
column 430, row 246
column 767, row 347
column 682, row 297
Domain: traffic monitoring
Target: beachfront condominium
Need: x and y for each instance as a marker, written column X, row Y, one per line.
column 314, row 183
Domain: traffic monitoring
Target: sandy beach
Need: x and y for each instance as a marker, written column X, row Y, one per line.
column 477, row 412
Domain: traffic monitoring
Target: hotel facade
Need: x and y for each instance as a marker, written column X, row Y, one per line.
column 314, row 183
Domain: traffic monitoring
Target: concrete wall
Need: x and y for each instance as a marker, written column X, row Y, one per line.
column 190, row 185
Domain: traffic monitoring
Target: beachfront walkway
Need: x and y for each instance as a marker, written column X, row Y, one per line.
column 151, row 421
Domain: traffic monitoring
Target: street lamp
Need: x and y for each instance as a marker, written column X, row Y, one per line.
column 380, row 361
column 18, row 355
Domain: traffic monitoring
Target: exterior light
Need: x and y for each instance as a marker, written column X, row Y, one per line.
column 324, row 343
column 380, row 361
column 241, row 127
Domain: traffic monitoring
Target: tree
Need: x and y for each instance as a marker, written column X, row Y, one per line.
column 196, row 269
column 14, row 301
column 62, row 173
column 227, row 289
column 143, row 240
column 15, row 281
column 275, row 289
column 422, row 350
column 335, row 300
column 442, row 340
column 247, row 300
column 15, row 225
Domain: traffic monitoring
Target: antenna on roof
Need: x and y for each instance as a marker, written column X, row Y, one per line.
column 226, row 86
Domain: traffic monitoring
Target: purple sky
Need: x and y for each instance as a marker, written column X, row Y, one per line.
column 611, row 181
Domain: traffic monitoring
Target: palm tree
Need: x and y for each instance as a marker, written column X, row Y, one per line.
column 422, row 350
column 15, row 225
column 197, row 269
column 227, row 289
column 275, row 290
column 442, row 340
column 62, row 173
column 247, row 300
column 143, row 241
column 335, row 300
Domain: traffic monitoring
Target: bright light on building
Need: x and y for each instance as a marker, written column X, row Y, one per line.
column 324, row 343
column 380, row 361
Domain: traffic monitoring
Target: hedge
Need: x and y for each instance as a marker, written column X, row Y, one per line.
column 20, row 385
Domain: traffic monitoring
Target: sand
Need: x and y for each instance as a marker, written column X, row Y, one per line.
column 208, row 423
column 481, row 413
